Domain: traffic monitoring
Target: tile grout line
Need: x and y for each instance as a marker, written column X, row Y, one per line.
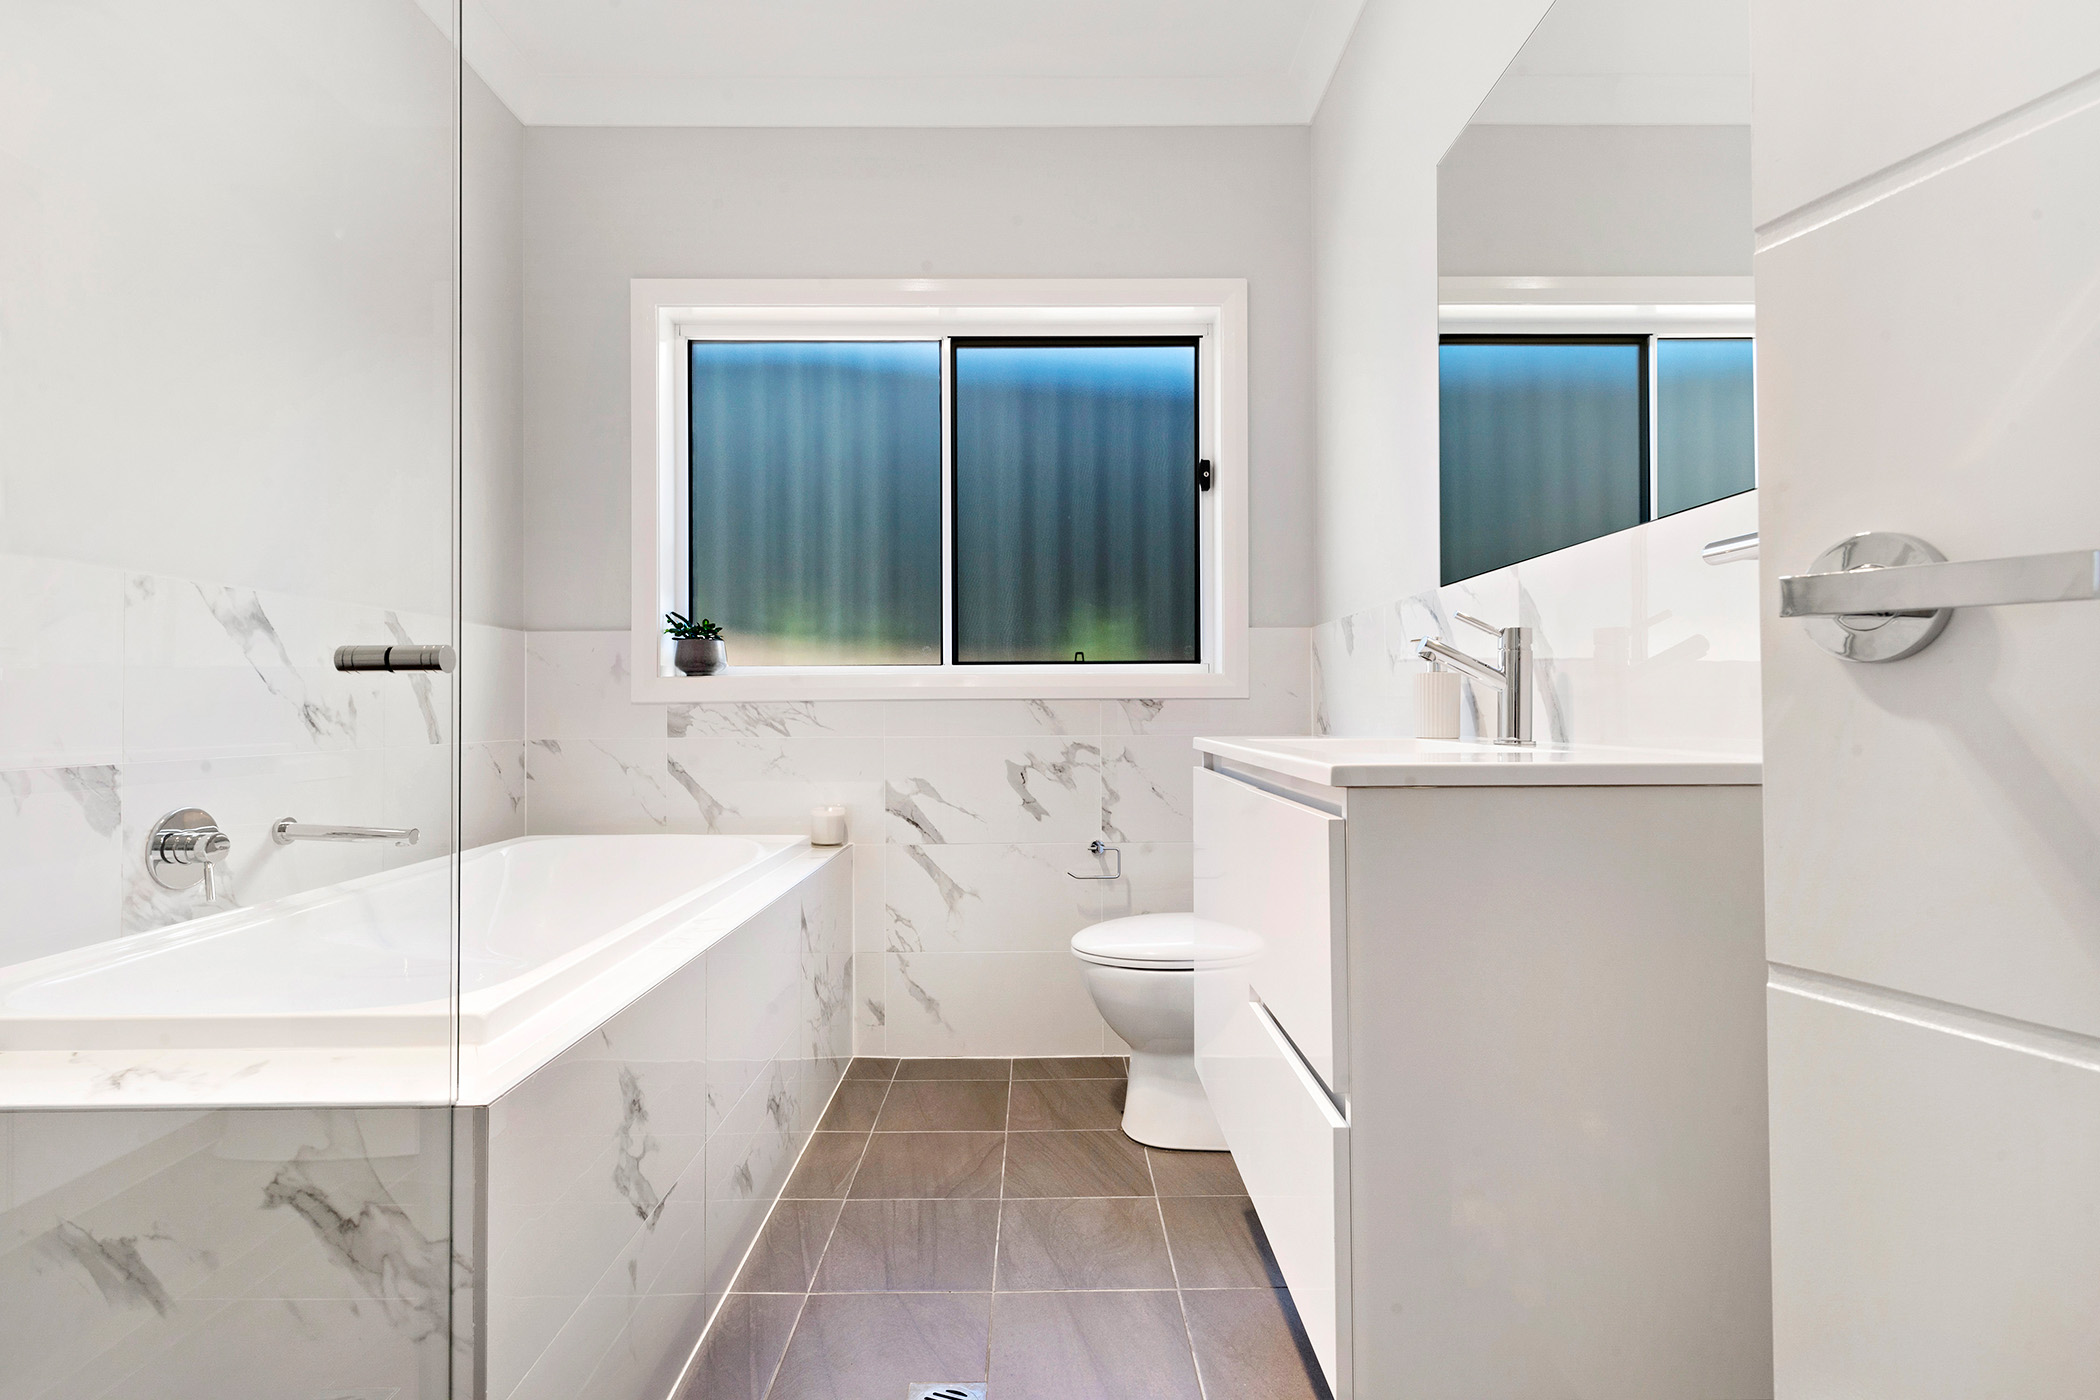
column 1160, row 1206
column 991, row 1306
column 809, row 1291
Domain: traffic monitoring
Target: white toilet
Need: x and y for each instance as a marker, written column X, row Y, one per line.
column 1141, row 974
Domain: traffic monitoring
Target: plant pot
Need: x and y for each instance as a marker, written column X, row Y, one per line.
column 701, row 656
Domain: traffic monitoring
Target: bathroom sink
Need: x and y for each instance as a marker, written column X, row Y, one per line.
column 1376, row 762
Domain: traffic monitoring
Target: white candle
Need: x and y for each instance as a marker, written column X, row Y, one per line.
column 827, row 826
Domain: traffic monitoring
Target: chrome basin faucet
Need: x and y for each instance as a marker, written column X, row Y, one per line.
column 1511, row 680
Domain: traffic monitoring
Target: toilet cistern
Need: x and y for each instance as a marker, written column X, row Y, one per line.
column 1511, row 680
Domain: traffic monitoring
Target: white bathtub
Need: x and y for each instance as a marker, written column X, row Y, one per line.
column 368, row 962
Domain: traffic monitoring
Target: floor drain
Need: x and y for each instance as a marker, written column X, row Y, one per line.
column 966, row 1390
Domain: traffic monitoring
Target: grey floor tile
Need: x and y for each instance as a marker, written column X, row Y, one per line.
column 854, row 1106
column 944, row 1106
column 1044, row 1105
column 743, row 1347
column 955, row 1069
column 1098, row 1242
column 1249, row 1343
column 865, row 1067
column 826, row 1168
column 1218, row 1243
column 1195, row 1173
column 871, row 1346
column 785, row 1257
column 1075, row 1164
column 1073, row 1067
column 1092, row 1346
column 930, row 1166
column 911, row 1247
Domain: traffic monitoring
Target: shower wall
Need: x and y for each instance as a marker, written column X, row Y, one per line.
column 226, row 376
column 229, row 364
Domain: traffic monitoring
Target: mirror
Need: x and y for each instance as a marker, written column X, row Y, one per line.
column 1594, row 259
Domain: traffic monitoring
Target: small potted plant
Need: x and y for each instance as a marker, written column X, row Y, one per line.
column 700, row 650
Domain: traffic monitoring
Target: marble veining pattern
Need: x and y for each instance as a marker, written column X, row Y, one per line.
column 969, row 818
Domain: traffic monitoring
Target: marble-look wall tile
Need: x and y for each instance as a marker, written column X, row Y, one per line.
column 61, row 853
column 62, row 659
column 491, row 792
column 1003, row 898
column 766, row 782
column 997, row 718
column 216, row 670
column 971, row 814
column 1147, row 788
column 989, row 1004
column 137, row 1271
column 492, row 684
column 247, row 794
column 578, row 685
column 628, row 1176
column 990, row 789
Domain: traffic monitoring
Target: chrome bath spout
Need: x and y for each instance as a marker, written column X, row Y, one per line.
column 285, row 832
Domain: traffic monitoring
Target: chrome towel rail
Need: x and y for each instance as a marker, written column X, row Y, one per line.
column 1728, row 551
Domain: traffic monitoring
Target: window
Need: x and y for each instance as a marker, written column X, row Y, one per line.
column 943, row 487
column 1550, row 440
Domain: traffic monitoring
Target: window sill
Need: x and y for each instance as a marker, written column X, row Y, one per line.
column 1104, row 682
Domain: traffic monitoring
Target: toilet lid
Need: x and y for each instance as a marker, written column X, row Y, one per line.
column 1159, row 942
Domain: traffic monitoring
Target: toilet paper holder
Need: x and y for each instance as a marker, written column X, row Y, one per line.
column 1097, row 850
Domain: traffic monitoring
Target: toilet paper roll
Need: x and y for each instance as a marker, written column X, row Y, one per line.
column 1436, row 705
column 827, row 826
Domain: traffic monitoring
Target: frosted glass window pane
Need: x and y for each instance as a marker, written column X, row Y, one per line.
column 1075, row 502
column 1541, row 447
column 816, row 500
column 1705, row 422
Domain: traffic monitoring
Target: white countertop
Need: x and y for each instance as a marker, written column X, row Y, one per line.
column 1345, row 762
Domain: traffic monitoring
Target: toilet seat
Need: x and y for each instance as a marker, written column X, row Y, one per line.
column 1145, row 942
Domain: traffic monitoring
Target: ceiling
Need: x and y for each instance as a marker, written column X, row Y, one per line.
column 1631, row 63
column 908, row 62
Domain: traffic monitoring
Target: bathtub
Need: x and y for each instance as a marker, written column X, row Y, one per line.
column 367, row 962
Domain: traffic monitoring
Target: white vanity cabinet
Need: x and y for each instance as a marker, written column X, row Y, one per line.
column 1486, row 1036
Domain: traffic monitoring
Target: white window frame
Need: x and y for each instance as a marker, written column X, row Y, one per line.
column 667, row 313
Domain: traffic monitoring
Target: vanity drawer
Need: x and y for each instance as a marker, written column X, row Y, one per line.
column 1270, row 869
column 1292, row 1150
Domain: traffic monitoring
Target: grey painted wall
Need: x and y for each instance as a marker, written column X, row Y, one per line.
column 1595, row 201
column 603, row 205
